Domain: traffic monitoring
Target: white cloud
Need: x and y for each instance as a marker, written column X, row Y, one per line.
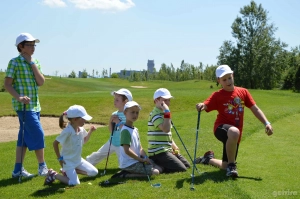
column 54, row 3
column 105, row 5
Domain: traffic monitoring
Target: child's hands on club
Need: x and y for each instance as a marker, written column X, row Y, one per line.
column 115, row 119
column 24, row 99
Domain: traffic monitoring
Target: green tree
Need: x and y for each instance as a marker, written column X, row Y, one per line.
column 297, row 80
column 256, row 58
column 290, row 75
column 114, row 75
column 84, row 74
column 72, row 74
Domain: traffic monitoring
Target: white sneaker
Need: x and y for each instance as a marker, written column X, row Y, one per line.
column 24, row 174
column 43, row 170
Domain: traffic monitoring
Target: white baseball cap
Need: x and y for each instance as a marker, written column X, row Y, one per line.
column 78, row 111
column 125, row 92
column 26, row 37
column 131, row 104
column 162, row 92
column 223, row 70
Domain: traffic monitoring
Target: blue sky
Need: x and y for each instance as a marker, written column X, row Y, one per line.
column 124, row 34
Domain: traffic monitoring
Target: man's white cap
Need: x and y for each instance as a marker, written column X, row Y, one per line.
column 125, row 92
column 78, row 111
column 223, row 70
column 162, row 92
column 131, row 104
column 26, row 37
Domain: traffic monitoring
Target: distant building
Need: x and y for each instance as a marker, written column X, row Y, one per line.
column 150, row 66
column 80, row 74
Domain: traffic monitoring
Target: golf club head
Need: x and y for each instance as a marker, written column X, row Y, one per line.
column 157, row 185
column 102, row 174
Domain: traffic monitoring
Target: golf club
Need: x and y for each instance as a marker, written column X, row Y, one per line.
column 184, row 147
column 23, row 129
column 113, row 125
column 157, row 185
column 198, row 124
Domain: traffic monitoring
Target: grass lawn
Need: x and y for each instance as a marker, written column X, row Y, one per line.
column 267, row 165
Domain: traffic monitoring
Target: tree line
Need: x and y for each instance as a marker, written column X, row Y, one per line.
column 258, row 59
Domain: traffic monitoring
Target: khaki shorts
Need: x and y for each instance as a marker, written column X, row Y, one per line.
column 138, row 168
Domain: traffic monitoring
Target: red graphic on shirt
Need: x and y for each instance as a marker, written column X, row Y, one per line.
column 235, row 107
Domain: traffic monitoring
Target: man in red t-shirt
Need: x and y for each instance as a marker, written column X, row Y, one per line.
column 229, row 102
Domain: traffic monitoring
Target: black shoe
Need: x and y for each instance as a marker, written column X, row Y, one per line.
column 120, row 174
column 232, row 171
column 205, row 159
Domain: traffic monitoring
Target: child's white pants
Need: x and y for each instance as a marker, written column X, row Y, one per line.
column 98, row 156
column 84, row 166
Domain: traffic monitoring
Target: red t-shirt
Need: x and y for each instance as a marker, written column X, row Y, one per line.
column 230, row 106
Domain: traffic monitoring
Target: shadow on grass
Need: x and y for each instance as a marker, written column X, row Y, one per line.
column 216, row 176
column 111, row 182
column 13, row 181
column 53, row 189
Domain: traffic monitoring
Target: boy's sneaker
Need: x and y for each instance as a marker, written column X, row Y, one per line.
column 231, row 170
column 120, row 174
column 205, row 158
column 43, row 170
column 50, row 177
column 24, row 174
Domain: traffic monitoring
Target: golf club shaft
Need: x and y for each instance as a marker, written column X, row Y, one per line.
column 23, row 129
column 111, row 136
column 195, row 151
column 184, row 146
column 147, row 173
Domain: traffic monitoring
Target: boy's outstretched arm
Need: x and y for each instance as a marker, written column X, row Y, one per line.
column 261, row 116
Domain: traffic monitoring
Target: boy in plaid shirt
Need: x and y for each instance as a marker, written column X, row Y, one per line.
column 22, row 80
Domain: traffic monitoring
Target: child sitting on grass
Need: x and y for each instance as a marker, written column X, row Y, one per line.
column 72, row 139
column 133, row 158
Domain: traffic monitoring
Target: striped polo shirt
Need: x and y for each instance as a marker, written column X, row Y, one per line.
column 24, row 83
column 158, row 141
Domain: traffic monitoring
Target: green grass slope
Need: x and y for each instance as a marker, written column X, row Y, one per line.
column 267, row 165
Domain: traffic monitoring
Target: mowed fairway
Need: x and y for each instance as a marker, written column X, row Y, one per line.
column 268, row 166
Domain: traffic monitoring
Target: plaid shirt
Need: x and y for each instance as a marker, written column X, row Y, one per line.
column 24, row 83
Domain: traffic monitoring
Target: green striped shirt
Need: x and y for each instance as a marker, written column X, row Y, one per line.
column 24, row 83
column 158, row 141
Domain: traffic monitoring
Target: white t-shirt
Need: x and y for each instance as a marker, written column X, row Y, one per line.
column 129, row 136
column 71, row 143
